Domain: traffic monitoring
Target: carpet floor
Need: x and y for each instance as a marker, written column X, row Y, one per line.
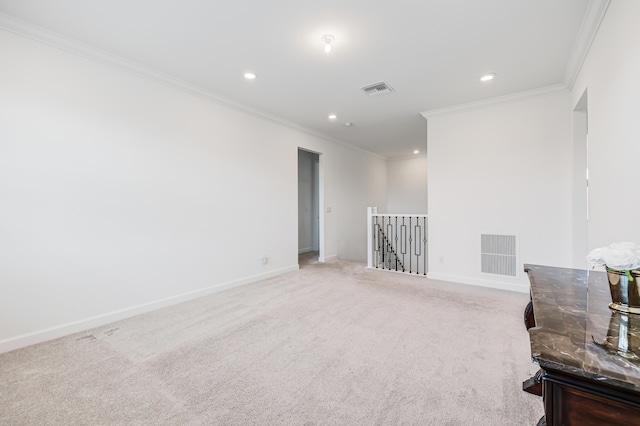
column 330, row 344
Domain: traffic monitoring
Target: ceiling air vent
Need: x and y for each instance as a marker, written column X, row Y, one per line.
column 377, row 89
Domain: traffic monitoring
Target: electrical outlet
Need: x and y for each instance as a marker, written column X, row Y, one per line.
column 264, row 259
column 442, row 260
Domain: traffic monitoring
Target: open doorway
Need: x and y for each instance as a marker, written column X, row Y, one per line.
column 309, row 191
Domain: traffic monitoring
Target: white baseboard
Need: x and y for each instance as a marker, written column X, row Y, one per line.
column 329, row 258
column 501, row 285
column 391, row 271
column 304, row 250
column 51, row 333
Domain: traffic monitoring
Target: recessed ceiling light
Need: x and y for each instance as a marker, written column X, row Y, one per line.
column 327, row 39
column 348, row 124
column 332, row 116
column 416, row 151
column 487, row 77
column 250, row 76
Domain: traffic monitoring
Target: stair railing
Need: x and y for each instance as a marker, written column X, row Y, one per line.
column 397, row 242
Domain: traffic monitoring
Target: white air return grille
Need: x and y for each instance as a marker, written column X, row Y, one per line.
column 377, row 89
column 499, row 254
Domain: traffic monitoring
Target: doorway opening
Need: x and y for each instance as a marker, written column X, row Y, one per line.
column 310, row 221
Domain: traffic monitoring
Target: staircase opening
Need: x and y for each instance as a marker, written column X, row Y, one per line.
column 397, row 242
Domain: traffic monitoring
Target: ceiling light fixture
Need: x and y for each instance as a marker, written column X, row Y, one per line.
column 348, row 124
column 416, row 151
column 332, row 116
column 250, row 76
column 487, row 77
column 327, row 39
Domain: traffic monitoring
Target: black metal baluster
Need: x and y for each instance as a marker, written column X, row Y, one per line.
column 382, row 244
column 389, row 245
column 418, row 235
column 403, row 242
column 410, row 241
column 395, row 229
column 376, row 240
column 381, row 231
column 424, row 221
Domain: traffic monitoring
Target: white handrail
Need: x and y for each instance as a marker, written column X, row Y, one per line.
column 397, row 214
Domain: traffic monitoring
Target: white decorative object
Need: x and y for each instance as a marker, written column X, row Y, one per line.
column 618, row 256
column 622, row 261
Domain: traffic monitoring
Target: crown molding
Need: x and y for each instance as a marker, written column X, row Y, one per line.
column 67, row 44
column 514, row 97
column 596, row 10
column 406, row 157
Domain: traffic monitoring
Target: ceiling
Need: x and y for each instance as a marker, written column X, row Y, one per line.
column 431, row 52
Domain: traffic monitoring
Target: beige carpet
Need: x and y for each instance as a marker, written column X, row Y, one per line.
column 331, row 344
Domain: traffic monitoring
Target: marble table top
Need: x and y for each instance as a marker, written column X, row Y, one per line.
column 575, row 330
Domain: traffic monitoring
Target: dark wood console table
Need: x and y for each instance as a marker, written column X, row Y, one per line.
column 589, row 355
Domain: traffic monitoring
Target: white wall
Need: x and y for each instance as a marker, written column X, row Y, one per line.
column 119, row 195
column 611, row 74
column 356, row 185
column 505, row 168
column 407, row 185
column 579, row 197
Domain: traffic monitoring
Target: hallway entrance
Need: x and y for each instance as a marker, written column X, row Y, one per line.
column 308, row 202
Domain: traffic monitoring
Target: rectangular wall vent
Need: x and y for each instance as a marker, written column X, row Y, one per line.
column 499, row 254
column 377, row 89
